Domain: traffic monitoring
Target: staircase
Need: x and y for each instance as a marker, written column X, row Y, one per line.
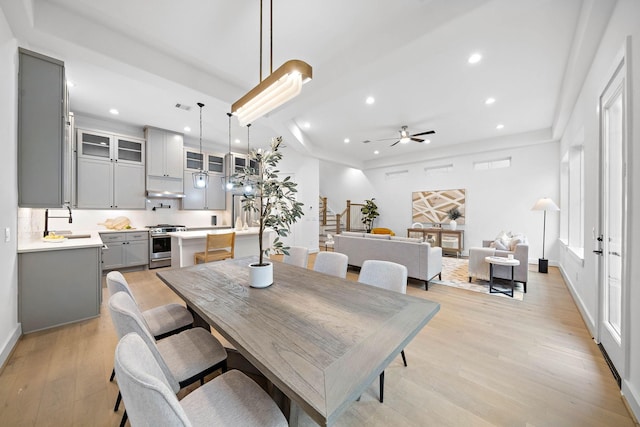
column 331, row 222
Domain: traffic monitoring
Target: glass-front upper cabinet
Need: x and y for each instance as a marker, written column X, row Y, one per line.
column 94, row 144
column 110, row 147
column 193, row 160
column 215, row 163
column 130, row 149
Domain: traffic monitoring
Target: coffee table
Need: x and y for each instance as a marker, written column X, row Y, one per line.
column 498, row 260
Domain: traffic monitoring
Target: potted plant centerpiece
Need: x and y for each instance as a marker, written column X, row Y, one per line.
column 453, row 214
column 274, row 201
column 369, row 213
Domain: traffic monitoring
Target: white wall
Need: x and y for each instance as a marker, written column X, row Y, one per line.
column 497, row 200
column 9, row 327
column 305, row 172
column 582, row 277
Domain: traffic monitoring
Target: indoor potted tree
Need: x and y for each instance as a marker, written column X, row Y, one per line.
column 274, row 201
column 453, row 214
column 369, row 213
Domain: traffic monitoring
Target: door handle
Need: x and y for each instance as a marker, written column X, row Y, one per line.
column 599, row 252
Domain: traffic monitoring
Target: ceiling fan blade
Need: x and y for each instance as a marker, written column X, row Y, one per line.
column 395, row 143
column 429, row 132
column 377, row 140
column 417, row 139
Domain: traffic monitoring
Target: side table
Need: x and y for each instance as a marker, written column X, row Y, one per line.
column 498, row 260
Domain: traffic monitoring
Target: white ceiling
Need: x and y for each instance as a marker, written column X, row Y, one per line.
column 143, row 57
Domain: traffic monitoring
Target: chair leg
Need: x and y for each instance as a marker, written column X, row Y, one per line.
column 123, row 421
column 404, row 359
column 115, row 408
column 113, row 375
column 382, row 387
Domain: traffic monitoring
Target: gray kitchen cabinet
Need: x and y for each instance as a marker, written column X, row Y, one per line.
column 213, row 197
column 164, row 153
column 44, row 151
column 58, row 287
column 110, row 171
column 126, row 249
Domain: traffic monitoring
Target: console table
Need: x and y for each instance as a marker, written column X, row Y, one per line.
column 451, row 241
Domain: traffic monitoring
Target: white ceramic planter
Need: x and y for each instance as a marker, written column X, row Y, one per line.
column 260, row 276
column 453, row 224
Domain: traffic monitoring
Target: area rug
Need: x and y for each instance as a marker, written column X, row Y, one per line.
column 455, row 273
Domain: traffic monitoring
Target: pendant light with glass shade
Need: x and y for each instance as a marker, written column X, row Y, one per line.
column 201, row 178
column 248, row 186
column 227, row 181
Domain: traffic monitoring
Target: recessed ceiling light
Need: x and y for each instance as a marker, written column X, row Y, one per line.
column 187, row 129
column 306, row 125
column 114, row 111
column 427, row 141
column 376, row 152
column 475, row 58
column 490, row 101
column 347, row 140
column 370, row 100
column 500, row 126
column 237, row 141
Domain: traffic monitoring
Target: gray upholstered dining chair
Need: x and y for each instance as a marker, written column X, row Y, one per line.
column 386, row 275
column 231, row 399
column 333, row 263
column 298, row 255
column 163, row 321
column 184, row 358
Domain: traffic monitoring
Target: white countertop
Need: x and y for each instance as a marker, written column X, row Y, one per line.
column 33, row 242
column 199, row 234
column 128, row 230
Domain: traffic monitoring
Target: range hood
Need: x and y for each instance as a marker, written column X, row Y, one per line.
column 153, row 194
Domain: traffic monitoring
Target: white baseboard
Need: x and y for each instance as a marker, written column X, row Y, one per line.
column 10, row 344
column 588, row 320
column 632, row 399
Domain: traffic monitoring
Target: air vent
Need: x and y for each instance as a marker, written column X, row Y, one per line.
column 183, row 107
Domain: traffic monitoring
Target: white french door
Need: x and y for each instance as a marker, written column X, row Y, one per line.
column 613, row 203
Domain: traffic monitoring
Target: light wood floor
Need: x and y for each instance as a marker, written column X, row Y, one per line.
column 482, row 361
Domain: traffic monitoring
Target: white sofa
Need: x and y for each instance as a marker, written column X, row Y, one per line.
column 423, row 261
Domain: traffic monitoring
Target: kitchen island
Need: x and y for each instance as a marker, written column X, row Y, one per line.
column 58, row 282
column 184, row 244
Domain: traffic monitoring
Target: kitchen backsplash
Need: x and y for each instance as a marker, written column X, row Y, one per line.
column 32, row 220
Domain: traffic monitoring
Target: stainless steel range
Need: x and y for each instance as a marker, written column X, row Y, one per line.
column 160, row 244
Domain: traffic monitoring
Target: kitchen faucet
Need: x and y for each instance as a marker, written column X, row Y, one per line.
column 46, row 219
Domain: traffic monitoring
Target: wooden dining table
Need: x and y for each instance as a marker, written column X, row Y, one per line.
column 321, row 340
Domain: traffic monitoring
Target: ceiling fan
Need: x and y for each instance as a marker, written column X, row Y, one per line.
column 405, row 137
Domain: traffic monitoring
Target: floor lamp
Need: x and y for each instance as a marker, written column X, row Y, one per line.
column 545, row 204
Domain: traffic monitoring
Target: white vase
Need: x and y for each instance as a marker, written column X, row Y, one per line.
column 453, row 224
column 260, row 276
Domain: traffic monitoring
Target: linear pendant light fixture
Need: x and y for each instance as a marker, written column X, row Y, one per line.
column 201, row 178
column 279, row 87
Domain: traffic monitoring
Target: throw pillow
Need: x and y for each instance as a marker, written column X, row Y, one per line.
column 499, row 244
column 515, row 241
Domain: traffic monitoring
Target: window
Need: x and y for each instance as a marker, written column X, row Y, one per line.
column 492, row 164
column 438, row 170
column 572, row 196
column 396, row 174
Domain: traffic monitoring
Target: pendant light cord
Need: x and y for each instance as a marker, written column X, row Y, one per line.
column 270, row 39
column 200, row 104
